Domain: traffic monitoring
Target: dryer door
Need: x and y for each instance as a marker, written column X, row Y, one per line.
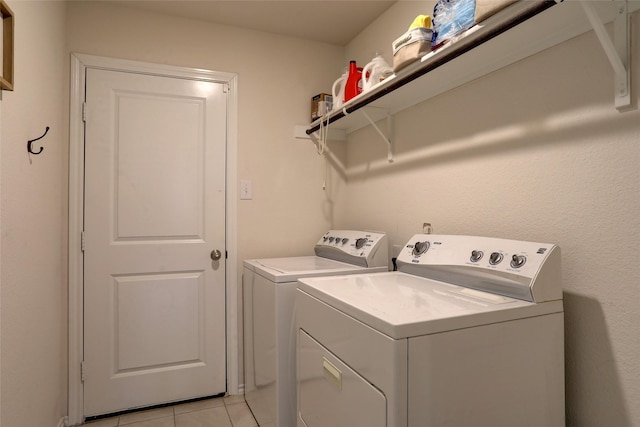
column 332, row 394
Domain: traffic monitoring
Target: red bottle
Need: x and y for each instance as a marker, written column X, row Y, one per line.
column 353, row 87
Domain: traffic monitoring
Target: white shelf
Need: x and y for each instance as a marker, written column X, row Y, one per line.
column 479, row 51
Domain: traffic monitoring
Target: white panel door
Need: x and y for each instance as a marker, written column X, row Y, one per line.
column 154, row 211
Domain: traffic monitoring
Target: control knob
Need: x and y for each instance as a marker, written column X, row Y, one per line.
column 361, row 242
column 420, row 247
column 476, row 256
column 518, row 261
column 495, row 258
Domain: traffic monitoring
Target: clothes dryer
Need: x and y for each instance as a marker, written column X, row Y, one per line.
column 269, row 330
column 468, row 332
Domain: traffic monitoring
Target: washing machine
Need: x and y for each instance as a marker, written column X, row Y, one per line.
column 468, row 332
column 269, row 287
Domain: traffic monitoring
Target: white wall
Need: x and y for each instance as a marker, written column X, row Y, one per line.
column 33, row 228
column 537, row 152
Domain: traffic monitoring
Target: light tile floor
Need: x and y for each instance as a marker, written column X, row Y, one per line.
column 228, row 411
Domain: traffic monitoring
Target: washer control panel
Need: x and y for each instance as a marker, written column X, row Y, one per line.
column 507, row 267
column 368, row 249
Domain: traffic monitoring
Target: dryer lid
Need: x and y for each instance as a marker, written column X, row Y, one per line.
column 402, row 305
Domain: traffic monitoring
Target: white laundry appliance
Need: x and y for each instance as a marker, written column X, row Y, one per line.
column 468, row 332
column 269, row 287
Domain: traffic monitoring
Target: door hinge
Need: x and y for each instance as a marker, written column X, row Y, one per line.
column 82, row 371
column 82, row 240
column 84, row 112
column 226, row 88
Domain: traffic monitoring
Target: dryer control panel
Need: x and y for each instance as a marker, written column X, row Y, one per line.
column 362, row 248
column 518, row 269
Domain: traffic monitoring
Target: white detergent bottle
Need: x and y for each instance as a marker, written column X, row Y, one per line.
column 374, row 72
column 337, row 91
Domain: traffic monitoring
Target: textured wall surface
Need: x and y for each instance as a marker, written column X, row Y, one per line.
column 33, row 228
column 536, row 151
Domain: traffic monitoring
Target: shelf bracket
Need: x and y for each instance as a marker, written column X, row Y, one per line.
column 387, row 139
column 618, row 50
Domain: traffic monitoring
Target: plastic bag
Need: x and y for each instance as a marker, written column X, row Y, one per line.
column 451, row 17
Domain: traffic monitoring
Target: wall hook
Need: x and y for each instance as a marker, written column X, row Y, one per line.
column 30, row 142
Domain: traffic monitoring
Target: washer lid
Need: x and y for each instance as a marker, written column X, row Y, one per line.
column 402, row 305
column 281, row 270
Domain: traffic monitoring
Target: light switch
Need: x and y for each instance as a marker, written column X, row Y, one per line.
column 246, row 192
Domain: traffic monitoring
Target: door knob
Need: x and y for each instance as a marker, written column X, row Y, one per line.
column 216, row 255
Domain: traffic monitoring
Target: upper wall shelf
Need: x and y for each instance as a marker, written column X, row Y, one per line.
column 519, row 31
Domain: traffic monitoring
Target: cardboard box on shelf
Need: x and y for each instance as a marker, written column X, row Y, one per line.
column 320, row 105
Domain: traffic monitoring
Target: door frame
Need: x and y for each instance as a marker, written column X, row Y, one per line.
column 79, row 64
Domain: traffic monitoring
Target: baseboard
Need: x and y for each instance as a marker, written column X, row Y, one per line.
column 62, row 422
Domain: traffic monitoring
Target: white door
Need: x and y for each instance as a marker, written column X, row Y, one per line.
column 154, row 308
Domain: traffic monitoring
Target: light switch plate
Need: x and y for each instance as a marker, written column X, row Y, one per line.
column 246, row 191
